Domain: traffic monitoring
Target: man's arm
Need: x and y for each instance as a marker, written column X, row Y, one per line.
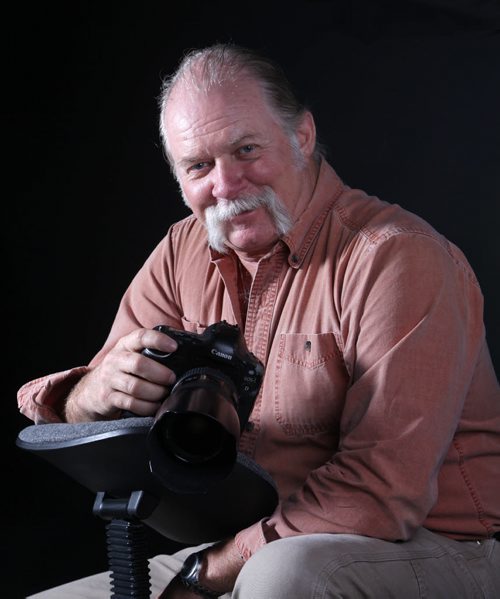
column 412, row 328
column 413, row 332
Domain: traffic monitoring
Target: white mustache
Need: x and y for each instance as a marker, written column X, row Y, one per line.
column 226, row 209
column 216, row 216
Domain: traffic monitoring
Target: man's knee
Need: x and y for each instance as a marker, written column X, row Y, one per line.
column 285, row 569
column 322, row 565
column 340, row 565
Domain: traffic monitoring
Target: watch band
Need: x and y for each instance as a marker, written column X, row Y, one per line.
column 190, row 573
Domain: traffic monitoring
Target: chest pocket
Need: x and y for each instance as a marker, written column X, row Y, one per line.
column 310, row 383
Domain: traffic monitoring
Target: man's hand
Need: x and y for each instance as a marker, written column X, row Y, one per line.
column 221, row 565
column 124, row 381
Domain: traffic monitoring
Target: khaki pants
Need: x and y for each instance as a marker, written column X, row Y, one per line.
column 324, row 566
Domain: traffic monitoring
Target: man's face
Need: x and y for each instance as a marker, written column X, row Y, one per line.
column 237, row 168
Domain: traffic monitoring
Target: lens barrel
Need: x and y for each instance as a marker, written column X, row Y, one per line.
column 193, row 440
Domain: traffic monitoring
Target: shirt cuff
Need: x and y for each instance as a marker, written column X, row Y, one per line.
column 42, row 400
column 249, row 540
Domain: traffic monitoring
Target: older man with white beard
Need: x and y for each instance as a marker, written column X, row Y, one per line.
column 379, row 413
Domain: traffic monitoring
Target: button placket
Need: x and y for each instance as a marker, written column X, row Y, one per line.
column 257, row 331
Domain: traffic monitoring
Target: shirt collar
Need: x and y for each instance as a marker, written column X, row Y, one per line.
column 326, row 192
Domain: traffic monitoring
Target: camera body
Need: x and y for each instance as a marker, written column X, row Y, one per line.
column 222, row 348
column 194, row 437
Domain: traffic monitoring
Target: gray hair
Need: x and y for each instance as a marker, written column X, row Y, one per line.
column 221, row 63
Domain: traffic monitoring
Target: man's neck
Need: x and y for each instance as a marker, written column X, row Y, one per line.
column 249, row 263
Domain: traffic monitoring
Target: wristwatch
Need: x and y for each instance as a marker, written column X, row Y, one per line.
column 190, row 573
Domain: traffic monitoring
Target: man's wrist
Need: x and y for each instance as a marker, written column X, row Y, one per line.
column 70, row 410
column 190, row 576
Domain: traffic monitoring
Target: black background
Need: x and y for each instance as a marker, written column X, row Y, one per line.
column 406, row 97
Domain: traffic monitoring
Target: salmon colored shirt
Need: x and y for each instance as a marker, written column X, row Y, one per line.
column 380, row 408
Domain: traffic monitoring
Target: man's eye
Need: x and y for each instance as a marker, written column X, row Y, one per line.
column 247, row 149
column 197, row 167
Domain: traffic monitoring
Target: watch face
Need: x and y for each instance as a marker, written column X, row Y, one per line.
column 191, row 568
column 190, row 573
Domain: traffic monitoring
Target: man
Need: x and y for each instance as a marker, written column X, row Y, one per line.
column 379, row 414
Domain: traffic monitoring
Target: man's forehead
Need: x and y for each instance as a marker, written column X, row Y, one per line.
column 187, row 98
column 234, row 113
column 188, row 128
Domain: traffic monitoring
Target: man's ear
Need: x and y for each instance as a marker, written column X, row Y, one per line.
column 306, row 135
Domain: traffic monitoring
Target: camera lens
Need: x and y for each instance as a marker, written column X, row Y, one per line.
column 194, row 438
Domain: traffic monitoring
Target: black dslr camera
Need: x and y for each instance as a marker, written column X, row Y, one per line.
column 193, row 440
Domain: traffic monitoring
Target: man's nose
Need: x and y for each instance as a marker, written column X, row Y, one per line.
column 228, row 180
